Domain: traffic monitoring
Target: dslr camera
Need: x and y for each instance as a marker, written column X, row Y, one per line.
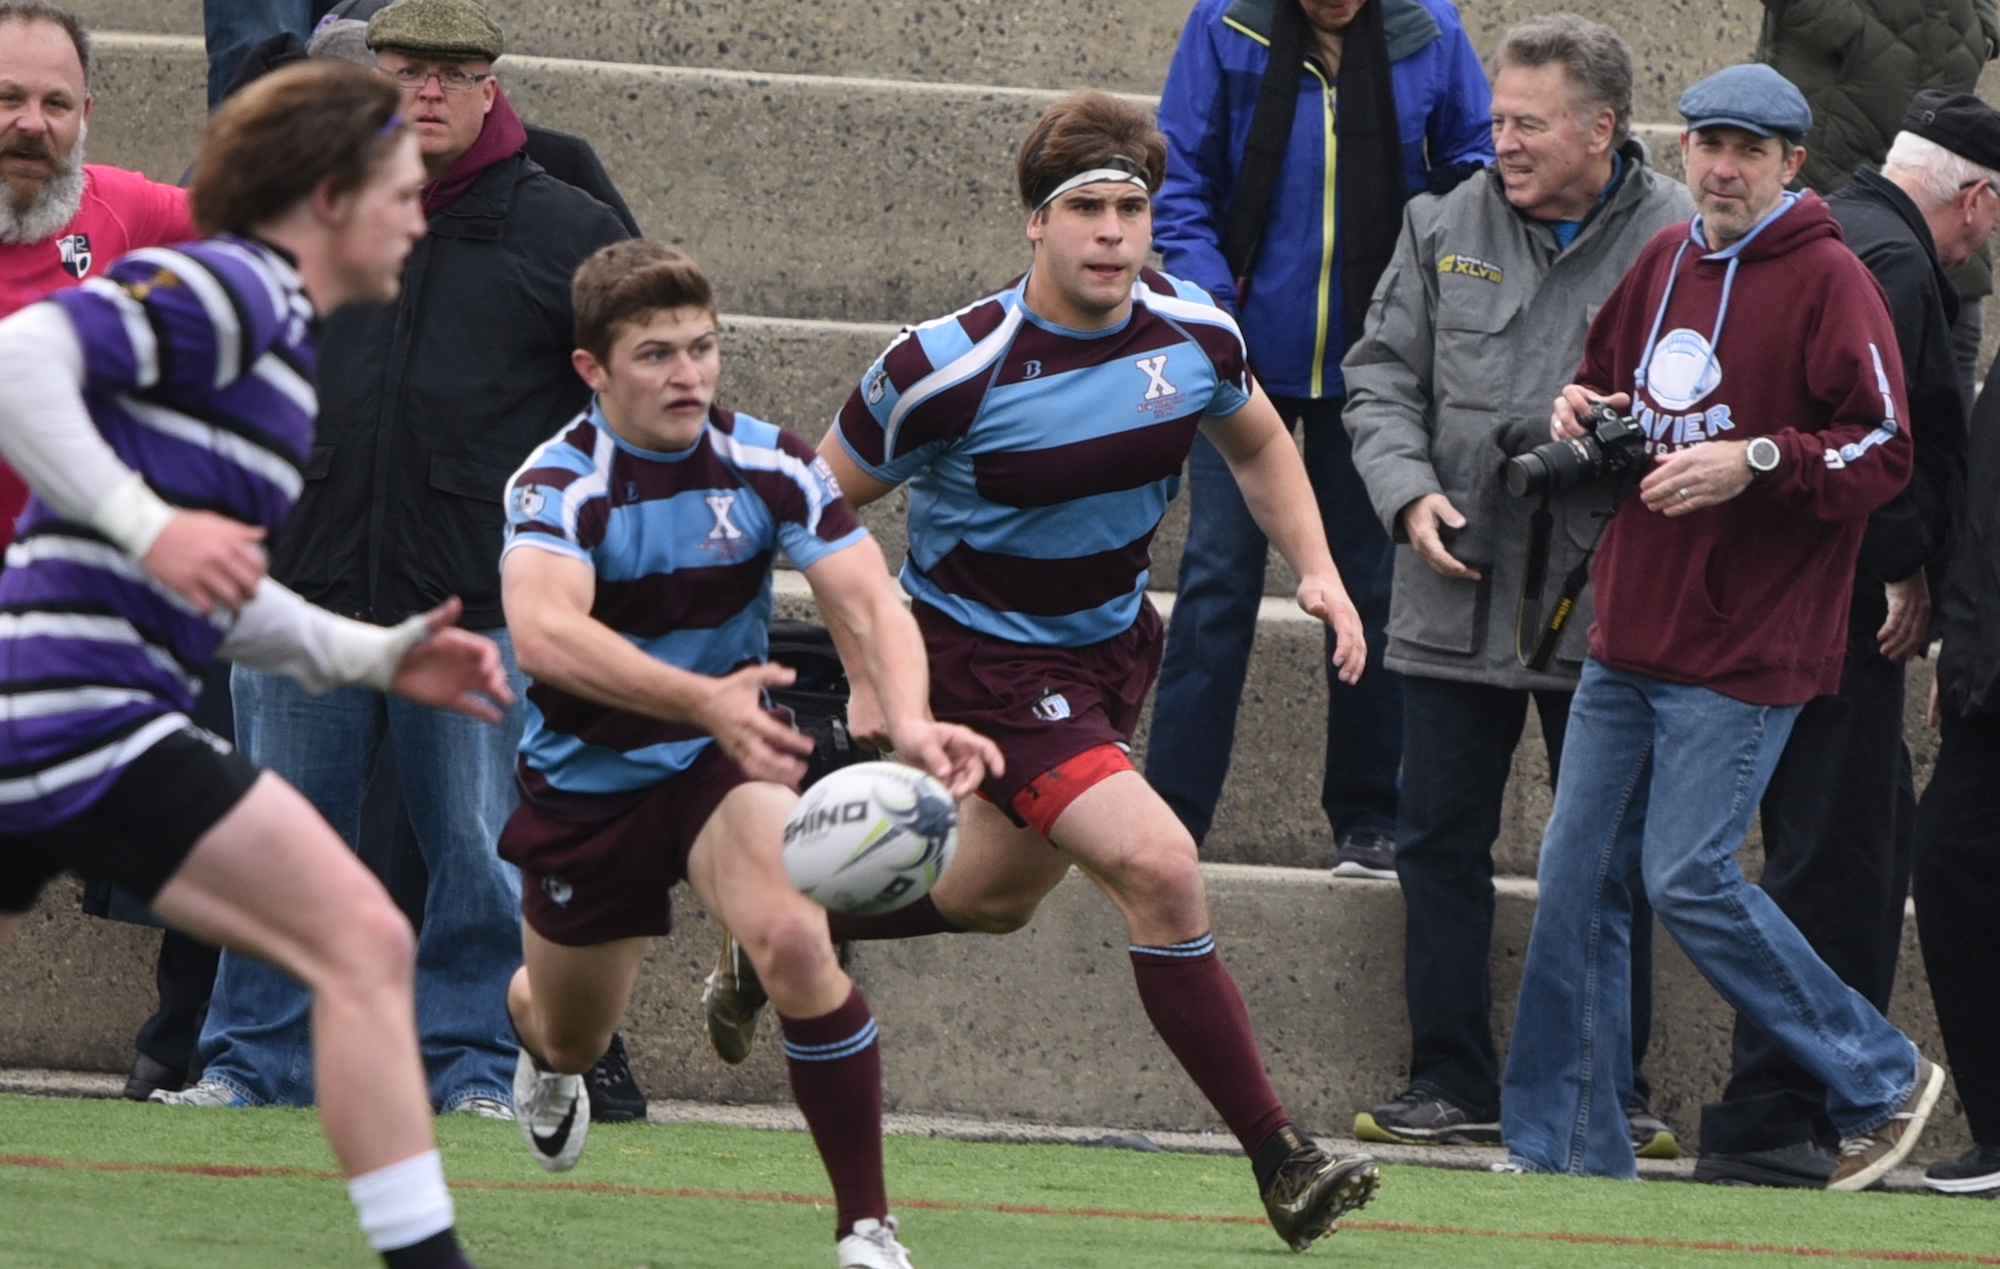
column 1613, row 449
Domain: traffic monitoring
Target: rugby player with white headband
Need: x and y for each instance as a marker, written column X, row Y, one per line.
column 1043, row 430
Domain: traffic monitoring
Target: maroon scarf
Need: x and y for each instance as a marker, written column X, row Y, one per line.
column 500, row 137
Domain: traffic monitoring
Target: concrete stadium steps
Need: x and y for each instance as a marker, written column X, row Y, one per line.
column 1118, row 45
column 1042, row 1025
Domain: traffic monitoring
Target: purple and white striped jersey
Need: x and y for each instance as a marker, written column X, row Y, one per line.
column 198, row 370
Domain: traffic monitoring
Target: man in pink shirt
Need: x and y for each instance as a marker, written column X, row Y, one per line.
column 60, row 217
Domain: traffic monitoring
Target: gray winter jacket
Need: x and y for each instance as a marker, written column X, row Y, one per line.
column 1477, row 324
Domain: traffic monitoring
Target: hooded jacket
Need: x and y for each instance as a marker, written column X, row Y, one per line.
column 1477, row 323
column 1782, row 334
column 1294, row 318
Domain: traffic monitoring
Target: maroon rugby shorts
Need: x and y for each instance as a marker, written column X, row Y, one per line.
column 601, row 867
column 1041, row 705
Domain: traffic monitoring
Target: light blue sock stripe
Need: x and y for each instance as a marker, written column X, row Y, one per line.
column 835, row 1051
column 1191, row 948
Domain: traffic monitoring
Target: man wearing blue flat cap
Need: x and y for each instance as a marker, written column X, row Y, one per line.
column 1759, row 364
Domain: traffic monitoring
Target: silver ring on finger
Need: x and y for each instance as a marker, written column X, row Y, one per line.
column 1685, row 495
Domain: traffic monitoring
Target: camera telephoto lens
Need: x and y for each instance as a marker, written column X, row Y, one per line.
column 1552, row 467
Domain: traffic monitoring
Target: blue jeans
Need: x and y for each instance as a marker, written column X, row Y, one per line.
column 1215, row 620
column 457, row 776
column 1459, row 740
column 1672, row 774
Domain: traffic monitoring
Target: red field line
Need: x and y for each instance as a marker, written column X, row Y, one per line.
column 1027, row 1209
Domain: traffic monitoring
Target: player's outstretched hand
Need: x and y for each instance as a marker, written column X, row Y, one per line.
column 1328, row 601
column 734, row 714
column 959, row 757
column 454, row 669
column 209, row 560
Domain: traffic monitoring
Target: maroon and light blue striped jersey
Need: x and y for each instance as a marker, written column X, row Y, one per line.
column 1040, row 459
column 682, row 545
column 198, row 370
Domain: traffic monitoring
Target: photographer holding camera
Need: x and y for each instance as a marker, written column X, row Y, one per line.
column 1757, row 356
column 1483, row 308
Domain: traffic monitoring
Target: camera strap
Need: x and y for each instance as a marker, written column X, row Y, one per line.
column 1534, row 577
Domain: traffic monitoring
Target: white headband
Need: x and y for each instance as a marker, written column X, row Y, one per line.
column 1125, row 175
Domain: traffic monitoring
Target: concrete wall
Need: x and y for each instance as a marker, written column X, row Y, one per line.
column 1041, row 1026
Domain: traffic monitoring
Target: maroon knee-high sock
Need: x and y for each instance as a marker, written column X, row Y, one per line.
column 915, row 921
column 1197, row 1010
column 836, row 1070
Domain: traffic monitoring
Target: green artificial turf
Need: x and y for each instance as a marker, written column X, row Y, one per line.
column 698, row 1196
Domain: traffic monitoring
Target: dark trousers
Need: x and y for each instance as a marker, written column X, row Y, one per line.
column 1215, row 621
column 1958, row 910
column 184, row 975
column 1458, row 742
column 1837, row 831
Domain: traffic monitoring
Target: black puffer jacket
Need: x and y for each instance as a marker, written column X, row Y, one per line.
column 428, row 404
column 1859, row 62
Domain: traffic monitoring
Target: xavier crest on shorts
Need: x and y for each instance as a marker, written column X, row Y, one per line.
column 1052, row 708
column 560, row 892
column 74, row 250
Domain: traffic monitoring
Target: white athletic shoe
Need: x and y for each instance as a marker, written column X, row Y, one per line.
column 553, row 1111
column 873, row 1245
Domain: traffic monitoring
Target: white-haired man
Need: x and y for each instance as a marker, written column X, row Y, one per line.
column 1838, row 816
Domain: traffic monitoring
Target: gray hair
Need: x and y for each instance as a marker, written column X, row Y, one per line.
column 43, row 11
column 1598, row 63
column 1937, row 173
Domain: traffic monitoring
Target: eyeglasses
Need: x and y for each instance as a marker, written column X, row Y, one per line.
column 452, row 79
column 1980, row 180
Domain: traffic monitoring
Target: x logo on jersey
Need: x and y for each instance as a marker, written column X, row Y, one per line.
column 1156, row 377
column 718, row 506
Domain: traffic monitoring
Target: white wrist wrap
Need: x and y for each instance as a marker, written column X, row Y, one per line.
column 132, row 516
column 360, row 653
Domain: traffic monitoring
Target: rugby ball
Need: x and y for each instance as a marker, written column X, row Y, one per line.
column 870, row 838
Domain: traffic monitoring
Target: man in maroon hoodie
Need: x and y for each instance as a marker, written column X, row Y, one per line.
column 1756, row 354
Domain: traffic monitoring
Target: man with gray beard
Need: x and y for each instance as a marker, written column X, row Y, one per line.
column 60, row 217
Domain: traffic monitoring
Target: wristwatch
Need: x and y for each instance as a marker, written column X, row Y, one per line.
column 1762, row 454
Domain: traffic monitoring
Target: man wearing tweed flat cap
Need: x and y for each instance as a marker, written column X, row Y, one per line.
column 427, row 406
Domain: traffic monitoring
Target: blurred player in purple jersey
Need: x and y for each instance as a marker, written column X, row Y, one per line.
column 162, row 413
column 637, row 581
column 1042, row 431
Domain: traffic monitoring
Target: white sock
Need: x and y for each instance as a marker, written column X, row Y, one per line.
column 403, row 1203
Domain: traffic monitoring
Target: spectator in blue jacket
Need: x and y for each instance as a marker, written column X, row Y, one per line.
column 1415, row 113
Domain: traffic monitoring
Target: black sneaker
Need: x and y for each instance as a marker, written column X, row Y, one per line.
column 1417, row 1118
column 1365, row 855
column 615, row 1097
column 1651, row 1138
column 1312, row 1190
column 1804, row 1166
column 149, row 1077
column 1977, row 1171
